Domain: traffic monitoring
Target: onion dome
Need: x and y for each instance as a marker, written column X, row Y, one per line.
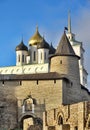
column 36, row 38
column 52, row 49
column 64, row 47
column 21, row 46
column 43, row 44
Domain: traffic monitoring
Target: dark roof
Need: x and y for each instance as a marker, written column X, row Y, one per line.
column 39, row 76
column 43, row 44
column 64, row 47
column 21, row 46
column 84, row 88
column 52, row 49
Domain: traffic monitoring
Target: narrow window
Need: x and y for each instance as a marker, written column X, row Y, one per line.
column 76, row 128
column 89, row 124
column 18, row 58
column 37, row 82
column 71, row 84
column 54, row 114
column 54, row 81
column 60, row 120
column 22, row 58
column 60, row 61
column 20, row 82
column 45, row 56
column 34, row 57
column 41, row 55
column 2, row 83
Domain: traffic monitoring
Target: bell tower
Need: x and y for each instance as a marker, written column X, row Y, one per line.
column 79, row 50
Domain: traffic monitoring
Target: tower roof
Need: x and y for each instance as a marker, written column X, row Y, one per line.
column 43, row 44
column 64, row 47
column 36, row 38
column 21, row 46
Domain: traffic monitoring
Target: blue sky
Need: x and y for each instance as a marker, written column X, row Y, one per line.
column 20, row 17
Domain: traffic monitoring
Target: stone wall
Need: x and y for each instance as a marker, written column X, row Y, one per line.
column 48, row 95
column 72, row 115
column 8, row 108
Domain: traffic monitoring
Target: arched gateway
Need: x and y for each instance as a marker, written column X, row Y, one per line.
column 29, row 121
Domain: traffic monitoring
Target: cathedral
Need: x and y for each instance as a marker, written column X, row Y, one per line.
column 47, row 88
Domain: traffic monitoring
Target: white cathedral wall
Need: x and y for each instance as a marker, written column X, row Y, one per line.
column 25, row 69
column 20, row 53
column 83, row 74
column 28, row 59
column 33, row 59
column 41, row 55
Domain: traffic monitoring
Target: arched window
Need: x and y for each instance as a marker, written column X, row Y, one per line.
column 45, row 56
column 22, row 58
column 89, row 124
column 76, row 128
column 28, row 104
column 18, row 58
column 60, row 120
column 34, row 56
column 41, row 55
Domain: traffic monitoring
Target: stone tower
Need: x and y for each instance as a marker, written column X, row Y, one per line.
column 65, row 62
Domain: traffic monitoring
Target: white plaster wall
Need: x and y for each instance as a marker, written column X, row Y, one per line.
column 28, row 59
column 71, row 37
column 33, row 48
column 43, row 60
column 25, row 69
column 21, row 53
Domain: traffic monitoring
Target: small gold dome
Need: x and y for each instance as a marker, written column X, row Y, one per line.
column 36, row 38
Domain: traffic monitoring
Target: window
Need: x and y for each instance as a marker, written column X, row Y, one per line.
column 20, row 82
column 22, row 58
column 34, row 57
column 60, row 120
column 60, row 61
column 89, row 124
column 28, row 104
column 76, row 128
column 18, row 58
column 41, row 55
column 2, row 83
column 71, row 83
column 37, row 82
column 54, row 81
column 45, row 56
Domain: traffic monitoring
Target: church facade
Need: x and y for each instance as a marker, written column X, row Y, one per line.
column 46, row 90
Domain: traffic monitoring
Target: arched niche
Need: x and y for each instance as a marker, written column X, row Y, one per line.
column 28, row 104
column 60, row 120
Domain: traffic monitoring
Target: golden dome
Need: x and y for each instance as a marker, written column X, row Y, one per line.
column 36, row 38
